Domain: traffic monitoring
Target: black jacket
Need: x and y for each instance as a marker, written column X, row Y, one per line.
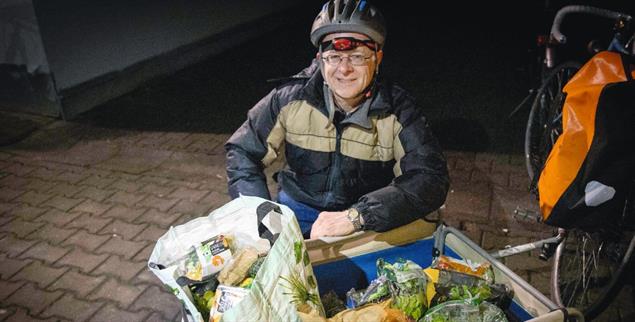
column 382, row 159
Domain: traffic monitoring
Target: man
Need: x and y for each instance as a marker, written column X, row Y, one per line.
column 359, row 152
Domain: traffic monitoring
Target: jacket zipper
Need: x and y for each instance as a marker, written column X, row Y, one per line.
column 335, row 167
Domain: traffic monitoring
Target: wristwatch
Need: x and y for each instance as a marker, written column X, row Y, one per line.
column 355, row 218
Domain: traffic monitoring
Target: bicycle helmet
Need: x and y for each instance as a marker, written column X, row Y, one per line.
column 357, row 16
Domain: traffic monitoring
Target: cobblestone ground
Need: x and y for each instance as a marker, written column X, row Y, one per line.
column 81, row 208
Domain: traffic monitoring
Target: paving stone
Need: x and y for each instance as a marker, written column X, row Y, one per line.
column 19, row 170
column 8, row 194
column 519, row 181
column 460, row 175
column 496, row 240
column 158, row 317
column 216, row 199
column 97, row 181
column 190, row 183
column 90, row 222
column 126, row 186
column 6, row 207
column 151, row 233
column 52, row 234
column 72, row 177
column 57, row 217
column 71, row 308
column 14, row 246
column 93, row 193
column 161, row 204
column 113, row 290
column 6, row 312
column 86, row 240
column 33, row 198
column 542, row 282
column 126, row 176
column 135, row 160
column 13, row 181
column 124, row 269
column 21, row 315
column 111, row 313
column 509, row 167
column 11, row 266
column 86, row 262
column 64, row 189
column 62, row 203
column 526, row 262
column 469, row 199
column 157, row 180
column 472, row 231
column 7, row 288
column 33, row 298
column 157, row 190
column 119, row 246
column 39, row 185
column 20, row 228
column 479, row 176
column 44, row 173
column 4, row 220
column 125, row 230
column 93, row 207
column 159, row 218
column 46, row 252
column 124, row 213
column 144, row 254
column 190, row 207
column 158, row 300
column 146, row 277
column 79, row 283
column 188, row 194
column 39, row 273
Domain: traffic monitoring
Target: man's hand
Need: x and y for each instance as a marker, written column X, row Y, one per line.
column 332, row 223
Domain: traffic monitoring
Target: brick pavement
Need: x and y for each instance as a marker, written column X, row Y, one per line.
column 81, row 208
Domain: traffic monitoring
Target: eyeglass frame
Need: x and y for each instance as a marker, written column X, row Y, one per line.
column 362, row 62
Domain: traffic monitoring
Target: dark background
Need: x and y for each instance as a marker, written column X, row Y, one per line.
column 468, row 65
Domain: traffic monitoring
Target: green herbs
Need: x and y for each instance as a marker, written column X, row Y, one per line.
column 300, row 294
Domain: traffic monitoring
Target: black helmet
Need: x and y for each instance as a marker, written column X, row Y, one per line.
column 349, row 16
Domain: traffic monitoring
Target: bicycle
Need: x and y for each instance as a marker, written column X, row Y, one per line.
column 589, row 267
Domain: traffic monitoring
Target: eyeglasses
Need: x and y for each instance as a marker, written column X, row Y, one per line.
column 354, row 59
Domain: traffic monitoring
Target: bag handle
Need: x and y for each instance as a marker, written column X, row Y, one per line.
column 262, row 211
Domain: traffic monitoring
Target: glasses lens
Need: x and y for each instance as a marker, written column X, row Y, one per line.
column 356, row 59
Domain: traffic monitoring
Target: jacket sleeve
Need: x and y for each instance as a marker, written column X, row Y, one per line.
column 247, row 147
column 421, row 187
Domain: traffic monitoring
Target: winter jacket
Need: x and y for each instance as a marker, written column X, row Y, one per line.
column 382, row 159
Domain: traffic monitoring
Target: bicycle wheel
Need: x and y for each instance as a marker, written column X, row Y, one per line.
column 589, row 269
column 544, row 124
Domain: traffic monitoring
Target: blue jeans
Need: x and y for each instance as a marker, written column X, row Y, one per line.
column 306, row 215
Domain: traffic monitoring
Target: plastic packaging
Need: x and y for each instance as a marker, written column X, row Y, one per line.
column 407, row 287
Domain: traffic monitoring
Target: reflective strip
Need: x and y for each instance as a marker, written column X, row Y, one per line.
column 275, row 142
column 399, row 153
column 380, row 143
column 307, row 127
column 302, row 125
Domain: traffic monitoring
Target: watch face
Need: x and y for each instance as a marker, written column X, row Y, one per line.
column 353, row 216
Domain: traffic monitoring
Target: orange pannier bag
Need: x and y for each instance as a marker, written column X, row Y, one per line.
column 585, row 179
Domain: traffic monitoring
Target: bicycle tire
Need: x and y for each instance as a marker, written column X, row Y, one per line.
column 544, row 124
column 589, row 270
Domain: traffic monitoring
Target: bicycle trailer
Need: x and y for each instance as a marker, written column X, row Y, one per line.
column 349, row 262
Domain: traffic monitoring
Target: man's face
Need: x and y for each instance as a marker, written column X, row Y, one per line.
column 347, row 81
